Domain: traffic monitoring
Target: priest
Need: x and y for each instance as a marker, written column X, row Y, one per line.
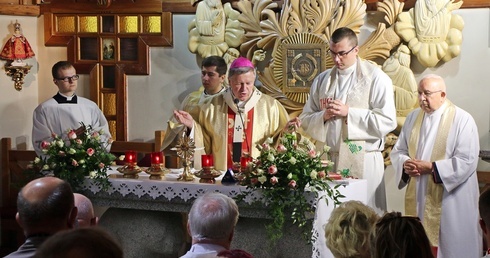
column 436, row 155
column 231, row 124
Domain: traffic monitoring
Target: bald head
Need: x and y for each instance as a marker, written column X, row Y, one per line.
column 86, row 216
column 46, row 205
column 432, row 93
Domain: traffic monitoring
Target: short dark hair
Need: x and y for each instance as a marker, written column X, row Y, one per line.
column 344, row 32
column 91, row 242
column 56, row 207
column 484, row 206
column 400, row 236
column 217, row 61
column 61, row 65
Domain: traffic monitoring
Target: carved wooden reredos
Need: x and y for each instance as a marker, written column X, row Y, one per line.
column 110, row 39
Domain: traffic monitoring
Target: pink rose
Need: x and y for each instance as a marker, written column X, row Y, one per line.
column 101, row 165
column 62, row 153
column 321, row 174
column 292, row 184
column 274, row 180
column 254, row 180
column 78, row 141
column 272, row 170
column 281, row 148
column 265, row 146
column 95, row 134
column 312, row 153
column 45, row 145
column 90, row 151
column 74, row 162
column 72, row 135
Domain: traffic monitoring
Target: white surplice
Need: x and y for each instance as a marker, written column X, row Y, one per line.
column 459, row 235
column 363, row 124
column 52, row 117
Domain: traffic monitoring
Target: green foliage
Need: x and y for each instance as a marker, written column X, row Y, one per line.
column 288, row 176
column 74, row 159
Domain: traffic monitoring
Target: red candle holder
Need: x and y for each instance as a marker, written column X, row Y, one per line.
column 130, row 157
column 157, row 158
column 244, row 162
column 207, row 160
column 157, row 170
column 130, row 169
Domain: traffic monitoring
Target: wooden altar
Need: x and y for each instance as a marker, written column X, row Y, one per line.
column 147, row 218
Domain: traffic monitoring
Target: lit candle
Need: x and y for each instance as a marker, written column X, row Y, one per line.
column 244, row 161
column 156, row 157
column 207, row 160
column 130, row 156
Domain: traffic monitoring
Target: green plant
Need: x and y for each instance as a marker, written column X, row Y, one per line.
column 287, row 176
column 82, row 154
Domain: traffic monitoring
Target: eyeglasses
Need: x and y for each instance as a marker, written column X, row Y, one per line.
column 341, row 54
column 427, row 94
column 69, row 78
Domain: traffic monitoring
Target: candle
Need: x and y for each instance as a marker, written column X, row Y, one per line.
column 207, row 160
column 244, row 161
column 130, row 156
column 156, row 157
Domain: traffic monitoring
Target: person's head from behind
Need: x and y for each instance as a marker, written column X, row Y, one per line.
column 400, row 236
column 65, row 77
column 46, row 206
column 86, row 215
column 212, row 218
column 348, row 229
column 432, row 93
column 484, row 208
column 241, row 78
column 343, row 48
column 91, row 242
column 213, row 73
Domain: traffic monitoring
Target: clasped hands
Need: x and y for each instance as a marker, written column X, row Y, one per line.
column 415, row 167
column 335, row 108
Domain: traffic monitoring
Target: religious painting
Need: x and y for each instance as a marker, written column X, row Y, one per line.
column 108, row 49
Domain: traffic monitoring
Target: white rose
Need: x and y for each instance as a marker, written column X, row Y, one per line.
column 37, row 160
column 60, row 143
column 260, row 171
column 292, row 160
column 290, row 175
column 71, row 151
column 313, row 174
column 270, row 157
column 269, row 140
column 45, row 167
column 92, row 174
column 262, row 179
column 326, row 148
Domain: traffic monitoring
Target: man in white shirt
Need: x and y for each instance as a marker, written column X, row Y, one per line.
column 211, row 224
column 66, row 110
column 351, row 108
column 436, row 156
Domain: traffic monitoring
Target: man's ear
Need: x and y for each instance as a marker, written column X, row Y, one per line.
column 72, row 219
column 94, row 221
column 17, row 218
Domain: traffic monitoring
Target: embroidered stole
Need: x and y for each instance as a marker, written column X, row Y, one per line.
column 433, row 196
column 236, row 133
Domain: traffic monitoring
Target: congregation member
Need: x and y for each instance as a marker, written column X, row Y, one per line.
column 349, row 228
column 351, row 109
column 213, row 74
column 211, row 224
column 401, row 237
column 484, row 208
column 45, row 206
column 231, row 124
column 86, row 215
column 91, row 242
column 65, row 110
column 436, row 157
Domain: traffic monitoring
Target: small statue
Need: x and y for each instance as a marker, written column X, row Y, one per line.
column 17, row 48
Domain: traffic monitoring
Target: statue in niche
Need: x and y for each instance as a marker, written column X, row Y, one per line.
column 397, row 66
column 214, row 30
column 433, row 33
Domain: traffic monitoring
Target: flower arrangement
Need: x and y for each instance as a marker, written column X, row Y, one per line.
column 82, row 154
column 285, row 175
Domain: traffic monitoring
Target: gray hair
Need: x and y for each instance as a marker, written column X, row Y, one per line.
column 240, row 70
column 213, row 216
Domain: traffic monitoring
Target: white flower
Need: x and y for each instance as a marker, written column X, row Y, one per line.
column 45, row 167
column 82, row 161
column 122, row 157
column 37, row 160
column 60, row 143
column 92, row 174
column 290, row 175
column 71, row 151
column 313, row 174
column 262, row 179
column 292, row 160
column 269, row 140
column 44, row 151
column 326, row 148
column 270, row 157
column 260, row 171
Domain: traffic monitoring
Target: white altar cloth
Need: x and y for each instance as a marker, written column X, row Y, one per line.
column 352, row 189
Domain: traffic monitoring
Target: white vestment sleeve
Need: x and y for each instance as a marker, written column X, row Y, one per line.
column 312, row 115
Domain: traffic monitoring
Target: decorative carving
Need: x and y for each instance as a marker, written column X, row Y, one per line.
column 433, row 33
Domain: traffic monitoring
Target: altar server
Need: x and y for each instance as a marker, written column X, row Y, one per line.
column 436, row 155
column 351, row 108
column 65, row 110
column 231, row 124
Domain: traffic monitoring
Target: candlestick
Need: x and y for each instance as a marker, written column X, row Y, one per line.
column 130, row 169
column 157, row 158
column 130, row 156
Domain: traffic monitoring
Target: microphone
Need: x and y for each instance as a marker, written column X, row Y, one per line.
column 241, row 118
